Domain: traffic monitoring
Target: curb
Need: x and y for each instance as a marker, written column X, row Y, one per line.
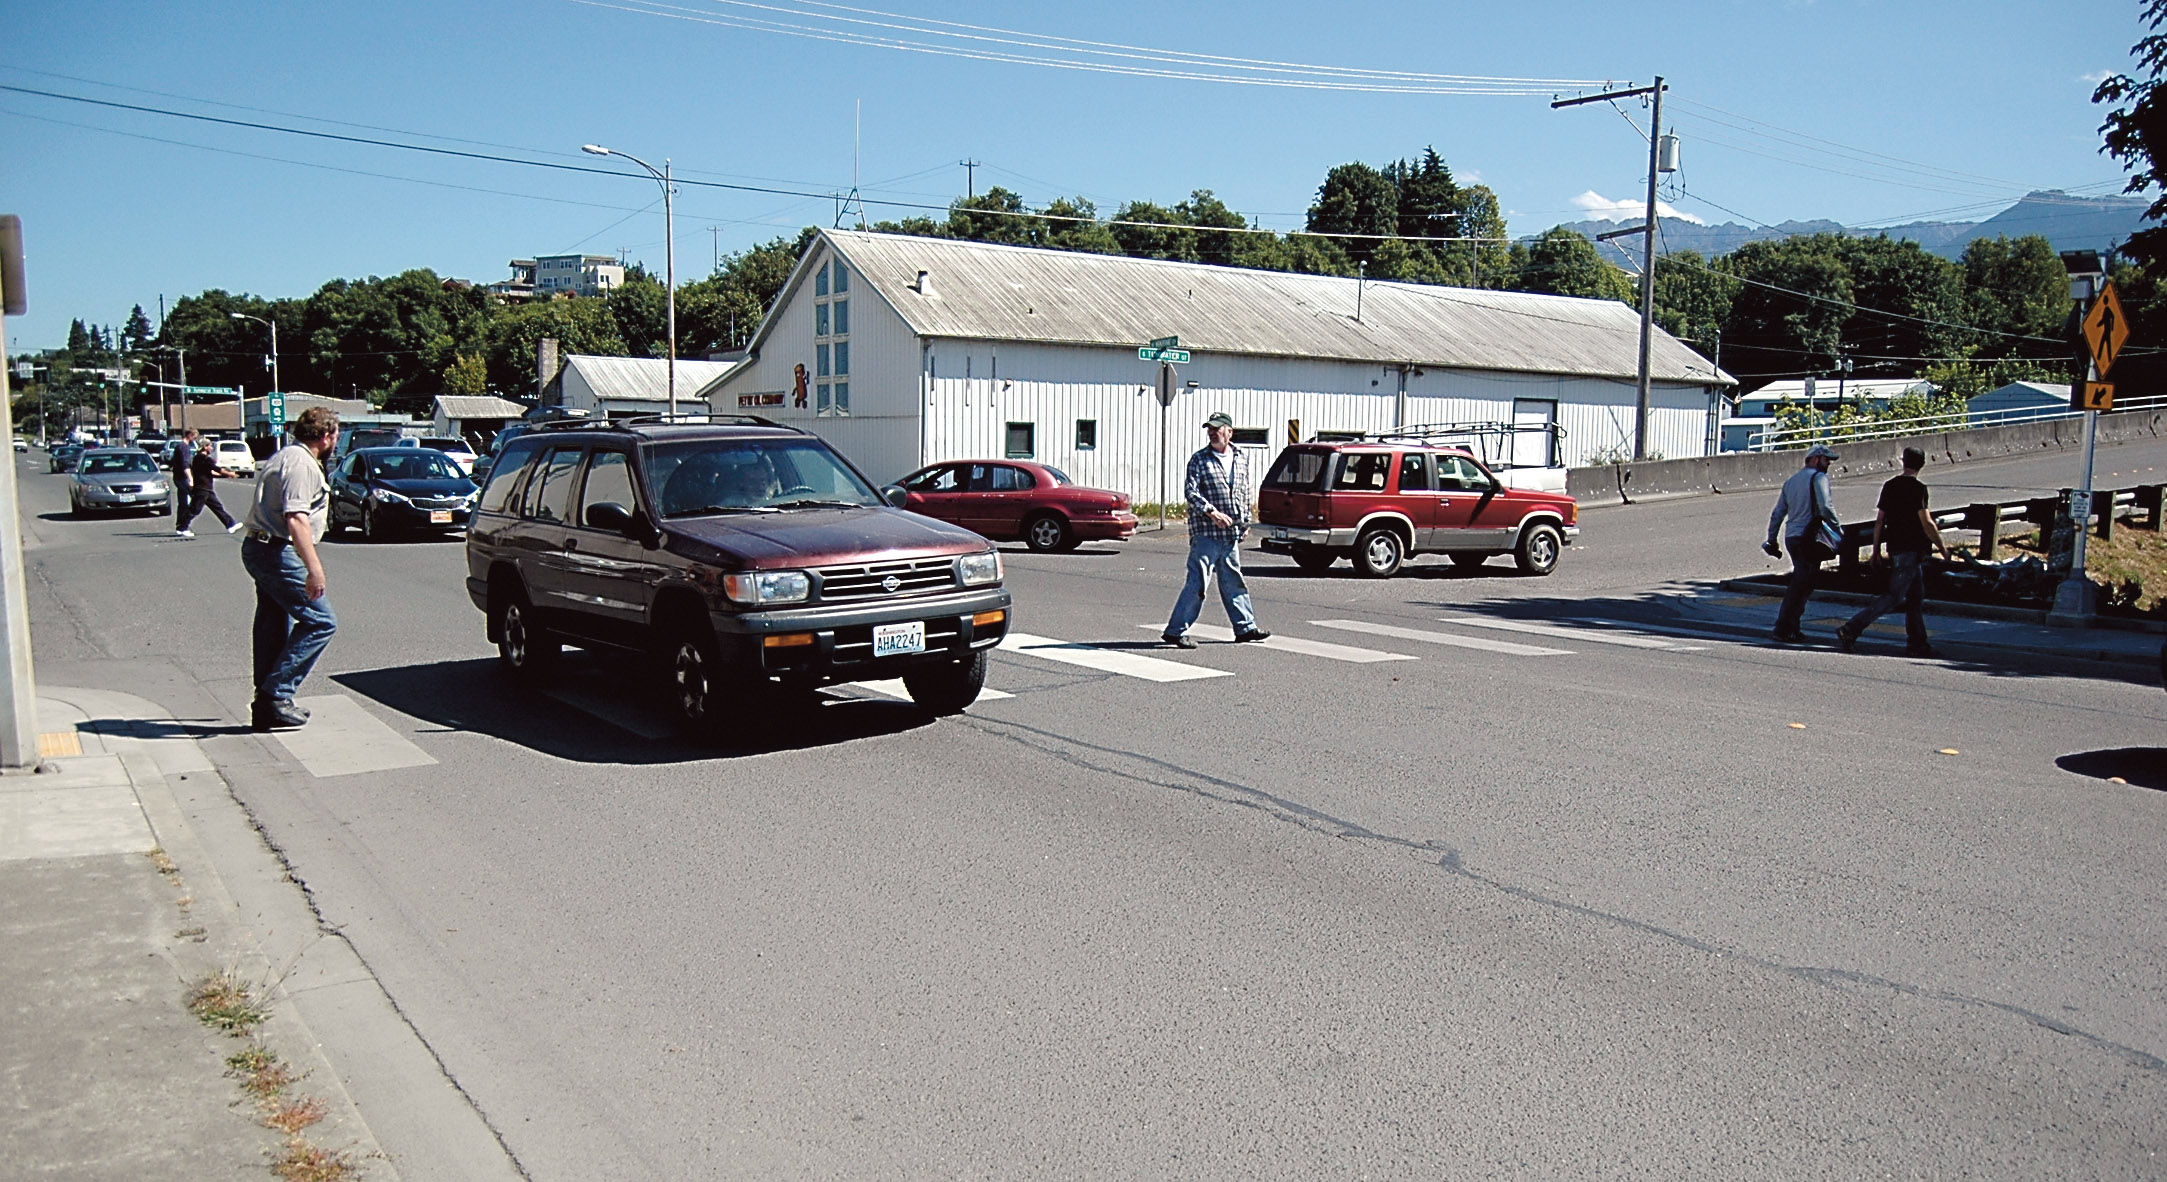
column 396, row 1109
column 2068, row 643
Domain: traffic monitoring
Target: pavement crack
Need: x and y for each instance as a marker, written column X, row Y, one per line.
column 1105, row 760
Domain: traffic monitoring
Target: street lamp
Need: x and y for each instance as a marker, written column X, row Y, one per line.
column 275, row 386
column 669, row 252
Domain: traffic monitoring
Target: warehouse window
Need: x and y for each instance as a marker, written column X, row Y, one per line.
column 1022, row 442
column 820, row 320
column 820, row 360
column 1252, row 436
column 821, row 399
column 820, row 280
column 842, row 278
column 842, row 318
column 842, row 358
column 842, row 398
column 1087, row 434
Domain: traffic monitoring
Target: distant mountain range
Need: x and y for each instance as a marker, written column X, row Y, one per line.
column 2069, row 222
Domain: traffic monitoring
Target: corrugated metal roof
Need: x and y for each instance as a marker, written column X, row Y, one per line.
column 644, row 378
column 984, row 291
column 477, row 406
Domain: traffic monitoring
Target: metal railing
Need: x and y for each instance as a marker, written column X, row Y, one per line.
column 2141, row 506
column 1787, row 438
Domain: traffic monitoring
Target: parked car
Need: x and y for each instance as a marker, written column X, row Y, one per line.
column 386, row 490
column 1010, row 500
column 62, row 458
column 118, row 478
column 458, row 451
column 755, row 561
column 21, row 444
column 353, row 439
column 233, row 455
column 1381, row 504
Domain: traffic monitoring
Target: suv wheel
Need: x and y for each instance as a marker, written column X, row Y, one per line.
column 949, row 687
column 696, row 680
column 1378, row 554
column 1538, row 550
column 1314, row 559
column 1047, row 533
column 523, row 649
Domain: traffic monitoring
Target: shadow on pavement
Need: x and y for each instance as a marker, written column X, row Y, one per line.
column 1431, row 569
column 597, row 709
column 2139, row 767
column 1747, row 630
column 164, row 728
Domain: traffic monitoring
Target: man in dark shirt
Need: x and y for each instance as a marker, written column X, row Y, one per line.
column 184, row 455
column 203, row 491
column 1908, row 529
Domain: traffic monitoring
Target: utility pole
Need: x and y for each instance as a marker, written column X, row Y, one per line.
column 714, row 238
column 18, row 681
column 1647, row 254
column 970, row 176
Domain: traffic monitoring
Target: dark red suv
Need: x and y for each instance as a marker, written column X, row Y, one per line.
column 1381, row 503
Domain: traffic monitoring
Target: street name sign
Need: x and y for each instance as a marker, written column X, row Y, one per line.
column 1166, row 342
column 208, row 391
column 1170, row 356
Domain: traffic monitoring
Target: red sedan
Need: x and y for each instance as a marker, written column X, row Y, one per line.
column 1008, row 500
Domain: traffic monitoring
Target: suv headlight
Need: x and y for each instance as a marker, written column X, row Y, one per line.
column 979, row 569
column 768, row 586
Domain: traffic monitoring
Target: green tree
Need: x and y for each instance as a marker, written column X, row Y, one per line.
column 1408, row 262
column 579, row 326
column 1087, row 235
column 1487, row 263
column 1148, row 231
column 1356, row 199
column 1693, row 299
column 1429, row 202
column 1217, row 227
column 1303, row 254
column 136, row 334
column 1911, row 306
column 1563, row 262
column 2135, row 132
column 997, row 216
column 2016, row 286
column 640, row 305
column 1788, row 316
column 467, row 374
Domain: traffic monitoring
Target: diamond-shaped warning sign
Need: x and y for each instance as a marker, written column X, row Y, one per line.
column 2105, row 329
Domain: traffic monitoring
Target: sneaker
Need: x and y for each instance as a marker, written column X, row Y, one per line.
column 184, row 533
column 276, row 714
column 1844, row 640
column 236, row 527
column 1177, row 641
column 1252, row 634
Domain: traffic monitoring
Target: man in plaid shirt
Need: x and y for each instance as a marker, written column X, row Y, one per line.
column 1217, row 489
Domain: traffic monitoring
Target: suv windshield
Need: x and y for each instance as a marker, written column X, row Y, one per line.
column 750, row 475
column 130, row 462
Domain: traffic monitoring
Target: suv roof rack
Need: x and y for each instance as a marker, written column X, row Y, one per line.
column 656, row 419
column 1492, row 442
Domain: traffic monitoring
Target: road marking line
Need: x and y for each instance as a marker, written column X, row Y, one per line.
column 1456, row 641
column 1628, row 639
column 1106, row 660
column 892, row 687
column 1294, row 644
column 343, row 739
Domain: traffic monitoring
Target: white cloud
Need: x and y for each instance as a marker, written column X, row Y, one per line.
column 1468, row 177
column 2095, row 77
column 1627, row 209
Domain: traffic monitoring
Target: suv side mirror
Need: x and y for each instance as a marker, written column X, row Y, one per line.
column 611, row 516
column 895, row 494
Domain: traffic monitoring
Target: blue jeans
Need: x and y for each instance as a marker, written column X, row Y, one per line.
column 1907, row 586
column 291, row 629
column 1206, row 557
column 1793, row 610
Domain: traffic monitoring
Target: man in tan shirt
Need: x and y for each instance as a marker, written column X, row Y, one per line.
column 285, row 519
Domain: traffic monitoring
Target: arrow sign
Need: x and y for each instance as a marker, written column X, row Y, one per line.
column 2092, row 396
column 2105, row 329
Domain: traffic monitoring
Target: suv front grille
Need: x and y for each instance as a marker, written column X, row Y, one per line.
column 871, row 580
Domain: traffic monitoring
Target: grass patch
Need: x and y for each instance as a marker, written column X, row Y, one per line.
column 165, row 865
column 261, row 1073
column 292, row 1116
column 223, row 1003
column 301, row 1161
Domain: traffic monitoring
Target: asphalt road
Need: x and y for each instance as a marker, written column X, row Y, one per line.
column 1649, row 903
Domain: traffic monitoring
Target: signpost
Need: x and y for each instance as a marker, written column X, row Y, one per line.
column 2106, row 330
column 1165, row 351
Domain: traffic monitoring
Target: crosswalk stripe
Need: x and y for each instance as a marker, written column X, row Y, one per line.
column 343, row 739
column 892, row 687
column 1106, row 660
column 1626, row 638
column 1449, row 638
column 1295, row 644
column 1674, row 630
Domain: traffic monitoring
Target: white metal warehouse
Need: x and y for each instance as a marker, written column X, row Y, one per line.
column 903, row 350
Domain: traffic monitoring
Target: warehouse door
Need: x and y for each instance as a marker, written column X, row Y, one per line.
column 1534, row 443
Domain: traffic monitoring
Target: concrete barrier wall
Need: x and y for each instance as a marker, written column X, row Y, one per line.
column 1614, row 484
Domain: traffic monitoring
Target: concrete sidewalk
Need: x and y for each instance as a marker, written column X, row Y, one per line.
column 132, row 876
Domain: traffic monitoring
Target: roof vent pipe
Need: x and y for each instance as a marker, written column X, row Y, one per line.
column 925, row 283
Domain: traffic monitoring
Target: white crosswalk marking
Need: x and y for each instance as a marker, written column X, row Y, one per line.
column 1295, row 644
column 1673, row 630
column 1447, row 638
column 1105, row 660
column 1626, row 639
column 892, row 687
column 343, row 738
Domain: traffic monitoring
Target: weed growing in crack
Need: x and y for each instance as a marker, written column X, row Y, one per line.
column 224, row 1003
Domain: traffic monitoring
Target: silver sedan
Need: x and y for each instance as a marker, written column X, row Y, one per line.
column 118, row 478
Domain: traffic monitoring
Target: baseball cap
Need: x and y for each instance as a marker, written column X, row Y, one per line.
column 1219, row 419
column 1821, row 451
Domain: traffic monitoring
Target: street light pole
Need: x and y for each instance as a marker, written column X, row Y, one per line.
column 669, row 252
column 275, row 384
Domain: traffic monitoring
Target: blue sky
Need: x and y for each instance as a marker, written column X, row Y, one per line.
column 1862, row 112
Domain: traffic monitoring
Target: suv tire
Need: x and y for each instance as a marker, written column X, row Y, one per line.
column 1537, row 553
column 1047, row 534
column 697, row 683
column 1313, row 559
column 1378, row 554
column 524, row 650
column 947, row 688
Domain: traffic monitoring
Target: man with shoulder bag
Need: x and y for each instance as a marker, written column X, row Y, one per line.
column 1811, row 535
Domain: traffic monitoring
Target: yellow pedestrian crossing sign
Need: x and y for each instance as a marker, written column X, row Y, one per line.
column 2105, row 329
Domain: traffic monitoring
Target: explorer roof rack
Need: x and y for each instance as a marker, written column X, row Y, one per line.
column 656, row 419
column 1493, row 443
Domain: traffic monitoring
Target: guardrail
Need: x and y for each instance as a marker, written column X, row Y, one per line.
column 2140, row 506
column 1787, row 438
